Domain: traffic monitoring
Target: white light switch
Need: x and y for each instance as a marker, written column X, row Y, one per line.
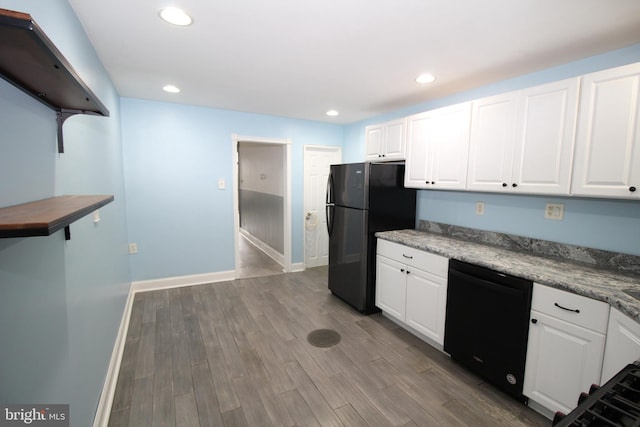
column 133, row 248
column 96, row 216
column 221, row 184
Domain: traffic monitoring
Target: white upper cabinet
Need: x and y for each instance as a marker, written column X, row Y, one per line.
column 545, row 134
column 438, row 147
column 522, row 141
column 607, row 156
column 493, row 127
column 386, row 141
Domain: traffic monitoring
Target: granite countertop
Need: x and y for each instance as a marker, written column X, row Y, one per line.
column 593, row 282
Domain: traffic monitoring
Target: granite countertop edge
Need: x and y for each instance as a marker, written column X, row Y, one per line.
column 599, row 284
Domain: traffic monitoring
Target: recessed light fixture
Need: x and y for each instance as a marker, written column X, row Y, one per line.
column 425, row 78
column 332, row 113
column 171, row 89
column 175, row 16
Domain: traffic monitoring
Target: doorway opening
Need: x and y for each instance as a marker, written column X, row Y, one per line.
column 262, row 220
column 317, row 162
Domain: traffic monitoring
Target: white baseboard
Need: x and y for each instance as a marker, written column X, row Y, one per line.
column 103, row 410
column 180, row 281
column 271, row 253
column 297, row 266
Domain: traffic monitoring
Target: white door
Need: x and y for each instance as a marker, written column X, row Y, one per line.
column 426, row 303
column 316, row 171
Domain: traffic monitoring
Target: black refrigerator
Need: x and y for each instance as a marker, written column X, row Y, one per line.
column 362, row 199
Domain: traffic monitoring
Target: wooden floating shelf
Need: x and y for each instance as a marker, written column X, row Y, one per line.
column 45, row 217
column 30, row 61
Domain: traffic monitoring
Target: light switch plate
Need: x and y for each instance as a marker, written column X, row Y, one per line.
column 221, row 184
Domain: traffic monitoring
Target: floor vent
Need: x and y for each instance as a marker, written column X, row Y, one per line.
column 323, row 338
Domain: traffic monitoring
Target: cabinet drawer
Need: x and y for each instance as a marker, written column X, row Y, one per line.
column 434, row 264
column 570, row 307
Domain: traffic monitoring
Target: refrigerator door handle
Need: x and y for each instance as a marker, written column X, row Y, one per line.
column 328, row 212
column 329, row 197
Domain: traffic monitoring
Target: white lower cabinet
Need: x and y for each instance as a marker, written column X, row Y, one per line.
column 411, row 286
column 623, row 344
column 565, row 347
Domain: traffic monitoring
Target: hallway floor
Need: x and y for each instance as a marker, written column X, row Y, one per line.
column 254, row 262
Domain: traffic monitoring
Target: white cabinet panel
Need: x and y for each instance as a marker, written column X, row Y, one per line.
column 607, row 157
column 522, row 141
column 623, row 344
column 562, row 360
column 545, row 138
column 411, row 286
column 565, row 347
column 426, row 303
column 391, row 288
column 437, row 147
column 386, row 141
column 493, row 127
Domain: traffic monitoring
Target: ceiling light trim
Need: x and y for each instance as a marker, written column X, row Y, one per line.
column 176, row 16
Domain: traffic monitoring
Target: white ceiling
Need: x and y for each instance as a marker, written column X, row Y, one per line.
column 300, row 58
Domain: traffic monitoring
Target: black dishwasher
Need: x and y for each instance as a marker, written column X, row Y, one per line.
column 487, row 324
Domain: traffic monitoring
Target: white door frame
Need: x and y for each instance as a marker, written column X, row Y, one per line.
column 286, row 142
column 304, row 186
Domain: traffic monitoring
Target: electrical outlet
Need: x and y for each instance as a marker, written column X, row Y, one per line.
column 554, row 211
column 479, row 208
column 133, row 248
column 96, row 216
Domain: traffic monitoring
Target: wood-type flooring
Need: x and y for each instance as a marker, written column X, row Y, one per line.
column 236, row 354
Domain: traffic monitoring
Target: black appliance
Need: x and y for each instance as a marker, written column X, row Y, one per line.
column 362, row 199
column 487, row 324
column 616, row 403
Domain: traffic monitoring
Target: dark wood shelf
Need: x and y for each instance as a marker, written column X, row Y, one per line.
column 31, row 62
column 45, row 217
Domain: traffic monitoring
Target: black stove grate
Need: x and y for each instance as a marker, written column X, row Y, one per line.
column 615, row 404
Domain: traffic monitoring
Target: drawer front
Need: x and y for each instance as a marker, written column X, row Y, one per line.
column 434, row 264
column 570, row 307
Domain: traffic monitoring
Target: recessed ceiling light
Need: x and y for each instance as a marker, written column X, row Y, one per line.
column 332, row 113
column 425, row 78
column 175, row 16
column 171, row 89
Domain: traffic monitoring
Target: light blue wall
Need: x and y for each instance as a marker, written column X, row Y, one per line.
column 61, row 302
column 596, row 223
column 174, row 156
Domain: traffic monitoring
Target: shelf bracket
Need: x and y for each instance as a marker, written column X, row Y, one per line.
column 61, row 116
column 67, row 233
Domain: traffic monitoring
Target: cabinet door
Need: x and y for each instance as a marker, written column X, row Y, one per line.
column 394, row 140
column 426, row 303
column 373, row 137
column 562, row 360
column 419, row 134
column 391, row 287
column 545, row 133
column 607, row 155
column 450, row 147
column 493, row 124
column 623, row 344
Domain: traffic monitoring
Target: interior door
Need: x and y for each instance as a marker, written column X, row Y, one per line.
column 316, row 171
